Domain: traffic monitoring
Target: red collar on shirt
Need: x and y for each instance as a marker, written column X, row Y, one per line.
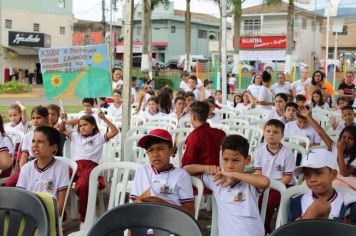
column 330, row 199
column 235, row 183
column 273, row 154
column 156, row 172
column 44, row 168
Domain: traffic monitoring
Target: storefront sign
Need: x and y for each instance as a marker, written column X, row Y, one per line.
column 28, row 39
column 262, row 55
column 263, row 42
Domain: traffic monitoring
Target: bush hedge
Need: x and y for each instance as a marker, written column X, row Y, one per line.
column 160, row 82
column 15, row 87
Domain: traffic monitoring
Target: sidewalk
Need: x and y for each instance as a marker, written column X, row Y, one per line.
column 37, row 92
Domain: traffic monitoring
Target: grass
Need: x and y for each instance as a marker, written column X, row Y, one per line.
column 68, row 109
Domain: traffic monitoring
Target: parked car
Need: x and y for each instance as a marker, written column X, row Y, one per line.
column 270, row 66
column 118, row 63
column 136, row 62
column 244, row 66
column 193, row 61
column 172, row 64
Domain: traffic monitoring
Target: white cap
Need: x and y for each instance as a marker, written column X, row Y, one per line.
column 317, row 158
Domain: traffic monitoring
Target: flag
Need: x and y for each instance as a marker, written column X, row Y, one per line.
column 275, row 72
column 216, row 74
column 76, row 72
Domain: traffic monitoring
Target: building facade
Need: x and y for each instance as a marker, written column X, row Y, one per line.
column 27, row 26
column 168, row 32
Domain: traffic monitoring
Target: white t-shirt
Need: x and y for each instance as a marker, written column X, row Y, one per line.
column 116, row 112
column 274, row 115
column 254, row 90
column 147, row 115
column 317, row 107
column 117, row 84
column 196, row 94
column 232, row 81
column 238, row 212
column 341, row 126
column 265, row 95
column 275, row 166
column 88, row 148
column 292, row 128
column 53, row 178
column 5, row 141
column 133, row 94
column 183, row 85
column 207, row 93
column 299, row 86
column 27, row 143
column 285, row 88
column 20, row 127
column 336, row 202
column 215, row 118
column 173, row 185
column 241, row 107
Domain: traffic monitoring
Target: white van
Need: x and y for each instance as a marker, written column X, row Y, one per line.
column 193, row 61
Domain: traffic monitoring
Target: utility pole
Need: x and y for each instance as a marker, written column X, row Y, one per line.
column 223, row 52
column 103, row 21
column 126, row 93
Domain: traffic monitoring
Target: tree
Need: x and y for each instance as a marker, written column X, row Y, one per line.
column 290, row 28
column 147, row 7
column 187, row 22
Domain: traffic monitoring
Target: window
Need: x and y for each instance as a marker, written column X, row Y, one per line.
column 202, row 34
column 251, row 26
column 61, row 3
column 212, row 35
column 344, row 31
column 139, row 14
column 138, row 31
column 304, row 23
column 36, row 27
column 313, row 25
column 320, row 26
column 62, row 30
column 8, row 24
column 173, row 29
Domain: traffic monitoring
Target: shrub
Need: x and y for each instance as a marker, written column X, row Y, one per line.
column 160, row 82
column 15, row 87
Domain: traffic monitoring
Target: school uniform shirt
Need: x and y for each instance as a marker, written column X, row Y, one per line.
column 207, row 93
column 275, row 165
column 336, row 201
column 88, row 148
column 284, row 88
column 3, row 146
column 254, row 90
column 183, row 85
column 133, row 94
column 185, row 121
column 215, row 118
column 148, row 115
column 283, row 119
column 172, row 185
column 116, row 112
column 196, row 94
column 325, row 106
column 52, row 178
column 299, row 86
column 265, row 95
column 27, row 143
column 238, row 212
column 292, row 128
column 341, row 125
column 5, row 141
column 241, row 107
column 274, row 114
column 117, row 84
column 203, row 146
column 23, row 127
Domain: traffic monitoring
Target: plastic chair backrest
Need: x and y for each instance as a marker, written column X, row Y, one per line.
column 93, row 188
column 139, row 217
column 18, row 203
column 234, row 121
column 251, row 133
column 139, row 130
column 132, row 152
column 323, row 120
column 15, row 135
column 316, row 227
column 297, row 139
column 168, row 119
column 196, row 182
column 74, row 166
column 162, row 125
column 273, row 184
column 296, row 148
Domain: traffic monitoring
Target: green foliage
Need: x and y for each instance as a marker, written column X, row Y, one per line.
column 15, row 87
column 160, row 82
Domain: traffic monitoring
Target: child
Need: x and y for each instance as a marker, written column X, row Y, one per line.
column 301, row 126
column 218, row 98
column 237, row 99
column 199, row 94
column 45, row 174
column 347, row 116
column 203, row 143
column 160, row 181
column 152, row 111
column 115, row 108
column 247, row 102
column 207, row 88
column 301, row 100
column 88, row 104
column 213, row 118
column 319, row 168
column 7, row 147
column 133, row 89
column 185, row 119
column 317, row 101
column 179, row 105
column 289, row 113
column 88, row 149
column 54, row 112
column 280, row 102
column 275, row 161
column 236, row 192
column 341, row 103
column 265, row 97
column 18, row 117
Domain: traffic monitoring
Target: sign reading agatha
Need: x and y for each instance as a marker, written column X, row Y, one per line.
column 263, row 42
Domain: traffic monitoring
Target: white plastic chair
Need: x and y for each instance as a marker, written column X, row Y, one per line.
column 132, row 152
column 139, row 130
column 180, row 152
column 222, row 127
column 126, row 167
column 296, row 148
column 226, row 114
column 323, row 120
column 251, row 133
column 165, row 119
column 16, row 137
column 214, row 217
column 161, row 125
column 297, row 139
column 334, row 134
column 196, row 182
column 234, row 121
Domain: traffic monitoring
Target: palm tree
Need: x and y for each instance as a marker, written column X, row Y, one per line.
column 290, row 28
column 147, row 7
column 187, row 22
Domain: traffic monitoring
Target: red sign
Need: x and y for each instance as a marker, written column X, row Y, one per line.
column 90, row 38
column 263, row 42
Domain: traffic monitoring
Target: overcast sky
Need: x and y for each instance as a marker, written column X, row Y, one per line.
column 91, row 9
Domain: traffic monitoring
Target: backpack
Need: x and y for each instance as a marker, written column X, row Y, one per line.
column 347, row 212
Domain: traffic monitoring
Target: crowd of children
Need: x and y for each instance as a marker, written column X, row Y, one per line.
column 217, row 158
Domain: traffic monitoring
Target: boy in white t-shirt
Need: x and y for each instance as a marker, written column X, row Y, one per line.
column 116, row 107
column 301, row 126
column 160, row 181
column 45, row 173
column 319, row 168
column 236, row 192
column 275, row 161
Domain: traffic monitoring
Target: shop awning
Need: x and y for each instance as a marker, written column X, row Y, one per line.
column 24, row 50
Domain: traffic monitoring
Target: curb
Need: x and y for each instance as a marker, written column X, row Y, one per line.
column 36, row 93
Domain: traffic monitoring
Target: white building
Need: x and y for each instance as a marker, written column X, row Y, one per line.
column 26, row 26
